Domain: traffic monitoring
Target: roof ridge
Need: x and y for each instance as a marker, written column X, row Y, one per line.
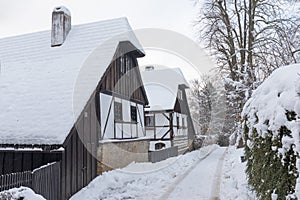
column 73, row 26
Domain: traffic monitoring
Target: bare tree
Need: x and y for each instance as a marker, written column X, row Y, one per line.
column 249, row 39
column 207, row 105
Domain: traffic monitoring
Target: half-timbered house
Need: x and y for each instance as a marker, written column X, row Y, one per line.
column 168, row 120
column 71, row 94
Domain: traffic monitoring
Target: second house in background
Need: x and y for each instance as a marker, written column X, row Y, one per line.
column 168, row 120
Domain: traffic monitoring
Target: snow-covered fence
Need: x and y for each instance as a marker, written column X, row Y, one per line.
column 44, row 180
column 156, row 156
column 8, row 181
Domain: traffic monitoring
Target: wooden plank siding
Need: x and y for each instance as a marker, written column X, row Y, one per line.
column 79, row 164
column 46, row 181
column 182, row 106
column 186, row 110
column 129, row 85
column 19, row 161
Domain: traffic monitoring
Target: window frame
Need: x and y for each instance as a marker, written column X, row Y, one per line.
column 118, row 111
column 133, row 113
column 149, row 123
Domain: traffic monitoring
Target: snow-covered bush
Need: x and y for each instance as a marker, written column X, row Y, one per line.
column 197, row 142
column 271, row 133
column 21, row 193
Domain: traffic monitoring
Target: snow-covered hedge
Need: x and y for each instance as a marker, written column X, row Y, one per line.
column 21, row 193
column 271, row 133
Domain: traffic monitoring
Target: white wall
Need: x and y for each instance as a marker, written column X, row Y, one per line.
column 105, row 101
column 141, row 120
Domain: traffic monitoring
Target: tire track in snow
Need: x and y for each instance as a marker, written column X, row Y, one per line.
column 180, row 178
column 215, row 194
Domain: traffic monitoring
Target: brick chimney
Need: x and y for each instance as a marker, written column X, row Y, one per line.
column 61, row 25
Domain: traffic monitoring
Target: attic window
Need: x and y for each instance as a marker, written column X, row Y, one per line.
column 179, row 95
column 122, row 65
column 183, row 123
column 126, row 64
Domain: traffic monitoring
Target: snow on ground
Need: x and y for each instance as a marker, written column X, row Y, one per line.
column 234, row 181
column 20, row 193
column 200, row 182
column 141, row 180
column 209, row 173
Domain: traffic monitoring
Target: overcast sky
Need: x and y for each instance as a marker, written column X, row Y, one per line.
column 25, row 16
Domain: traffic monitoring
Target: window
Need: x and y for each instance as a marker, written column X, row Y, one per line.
column 118, row 111
column 160, row 145
column 149, row 120
column 126, row 63
column 179, row 95
column 123, row 64
column 183, row 122
column 177, row 121
column 133, row 114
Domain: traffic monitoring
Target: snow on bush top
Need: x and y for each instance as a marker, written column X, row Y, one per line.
column 279, row 93
column 20, row 193
column 275, row 104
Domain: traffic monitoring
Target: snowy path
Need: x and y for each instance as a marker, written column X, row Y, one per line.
column 202, row 181
column 211, row 173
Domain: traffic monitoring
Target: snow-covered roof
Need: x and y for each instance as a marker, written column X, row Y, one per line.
column 161, row 87
column 43, row 89
column 279, row 93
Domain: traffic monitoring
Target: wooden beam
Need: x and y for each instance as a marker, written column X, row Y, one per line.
column 165, row 134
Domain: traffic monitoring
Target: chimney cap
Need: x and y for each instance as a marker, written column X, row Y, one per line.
column 62, row 9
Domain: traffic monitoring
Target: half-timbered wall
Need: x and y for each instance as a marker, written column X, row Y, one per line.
column 122, row 83
column 114, row 128
column 160, row 128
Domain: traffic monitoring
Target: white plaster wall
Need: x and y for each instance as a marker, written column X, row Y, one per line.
column 126, row 118
column 140, row 120
column 105, row 101
column 161, row 120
